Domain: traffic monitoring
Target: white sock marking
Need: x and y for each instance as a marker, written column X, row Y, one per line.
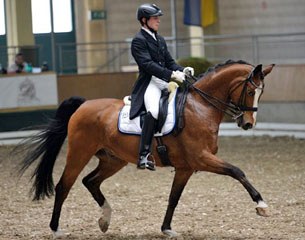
column 58, row 234
column 106, row 212
column 262, row 204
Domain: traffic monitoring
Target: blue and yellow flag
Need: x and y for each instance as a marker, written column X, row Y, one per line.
column 199, row 12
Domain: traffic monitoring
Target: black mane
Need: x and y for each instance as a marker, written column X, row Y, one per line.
column 220, row 65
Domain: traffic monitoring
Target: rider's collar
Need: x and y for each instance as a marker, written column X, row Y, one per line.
column 150, row 33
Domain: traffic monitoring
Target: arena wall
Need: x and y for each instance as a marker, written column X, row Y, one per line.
column 283, row 100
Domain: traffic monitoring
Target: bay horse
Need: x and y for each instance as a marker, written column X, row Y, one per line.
column 92, row 130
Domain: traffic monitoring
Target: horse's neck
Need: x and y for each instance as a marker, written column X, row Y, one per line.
column 217, row 85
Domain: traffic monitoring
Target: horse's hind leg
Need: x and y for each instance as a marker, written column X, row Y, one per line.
column 106, row 168
column 76, row 161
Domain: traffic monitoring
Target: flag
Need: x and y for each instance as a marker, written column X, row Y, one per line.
column 199, row 12
column 208, row 12
column 192, row 13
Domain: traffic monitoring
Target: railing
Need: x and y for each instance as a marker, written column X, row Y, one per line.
column 114, row 56
column 256, row 48
column 94, row 57
column 7, row 54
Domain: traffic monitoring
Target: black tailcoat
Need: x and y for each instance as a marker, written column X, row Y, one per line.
column 153, row 59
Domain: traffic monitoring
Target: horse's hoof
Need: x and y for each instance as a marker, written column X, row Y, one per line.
column 261, row 209
column 262, row 212
column 104, row 224
column 104, row 220
column 58, row 234
column 170, row 233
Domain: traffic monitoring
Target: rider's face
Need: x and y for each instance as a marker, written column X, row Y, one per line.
column 154, row 22
column 19, row 60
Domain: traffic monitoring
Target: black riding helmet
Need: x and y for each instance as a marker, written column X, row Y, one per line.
column 148, row 10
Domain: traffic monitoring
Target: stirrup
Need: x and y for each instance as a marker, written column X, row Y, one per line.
column 145, row 163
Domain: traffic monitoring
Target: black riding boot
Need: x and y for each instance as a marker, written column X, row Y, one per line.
column 145, row 142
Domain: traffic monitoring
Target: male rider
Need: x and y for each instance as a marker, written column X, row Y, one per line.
column 156, row 69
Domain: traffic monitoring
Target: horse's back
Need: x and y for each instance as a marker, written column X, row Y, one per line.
column 99, row 106
column 95, row 117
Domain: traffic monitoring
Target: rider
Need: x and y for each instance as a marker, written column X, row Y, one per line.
column 156, row 69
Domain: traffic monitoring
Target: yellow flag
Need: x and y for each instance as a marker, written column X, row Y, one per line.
column 208, row 14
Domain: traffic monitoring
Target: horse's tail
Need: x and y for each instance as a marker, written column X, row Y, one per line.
column 46, row 146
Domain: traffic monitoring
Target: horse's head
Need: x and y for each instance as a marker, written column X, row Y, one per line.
column 245, row 95
column 233, row 88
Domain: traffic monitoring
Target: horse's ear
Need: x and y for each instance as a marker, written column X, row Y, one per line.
column 268, row 69
column 257, row 69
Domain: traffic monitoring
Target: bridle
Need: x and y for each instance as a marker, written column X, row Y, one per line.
column 242, row 99
column 232, row 109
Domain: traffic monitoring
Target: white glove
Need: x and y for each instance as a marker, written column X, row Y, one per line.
column 178, row 76
column 189, row 71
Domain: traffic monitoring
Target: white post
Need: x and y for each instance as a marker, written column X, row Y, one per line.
column 197, row 41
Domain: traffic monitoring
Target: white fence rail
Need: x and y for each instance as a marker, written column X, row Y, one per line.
column 226, row 129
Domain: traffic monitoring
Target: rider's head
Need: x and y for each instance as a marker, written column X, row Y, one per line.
column 148, row 15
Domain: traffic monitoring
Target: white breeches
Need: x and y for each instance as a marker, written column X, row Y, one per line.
column 153, row 94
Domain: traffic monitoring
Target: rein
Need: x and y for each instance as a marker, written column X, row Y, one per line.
column 233, row 110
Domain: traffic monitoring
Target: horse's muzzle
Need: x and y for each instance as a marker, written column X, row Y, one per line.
column 244, row 125
column 247, row 126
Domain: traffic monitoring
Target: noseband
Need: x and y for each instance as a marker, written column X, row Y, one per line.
column 232, row 109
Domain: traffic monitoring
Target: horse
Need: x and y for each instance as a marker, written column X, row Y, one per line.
column 91, row 126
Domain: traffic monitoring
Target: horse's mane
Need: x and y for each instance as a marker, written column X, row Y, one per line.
column 221, row 65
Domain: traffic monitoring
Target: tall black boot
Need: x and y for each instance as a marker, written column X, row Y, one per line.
column 145, row 142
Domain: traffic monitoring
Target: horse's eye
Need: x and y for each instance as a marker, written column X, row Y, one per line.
column 251, row 93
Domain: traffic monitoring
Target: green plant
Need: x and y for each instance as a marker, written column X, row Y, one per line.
column 200, row 65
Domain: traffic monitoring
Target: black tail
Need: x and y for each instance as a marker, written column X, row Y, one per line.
column 46, row 146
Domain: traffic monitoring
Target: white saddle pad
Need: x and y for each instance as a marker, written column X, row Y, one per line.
column 128, row 126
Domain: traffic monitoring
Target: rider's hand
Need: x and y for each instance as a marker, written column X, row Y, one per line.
column 189, row 71
column 178, row 76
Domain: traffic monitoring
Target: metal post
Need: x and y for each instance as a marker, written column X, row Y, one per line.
column 174, row 28
column 255, row 49
column 53, row 38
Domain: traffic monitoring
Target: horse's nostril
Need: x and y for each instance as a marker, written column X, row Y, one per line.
column 247, row 126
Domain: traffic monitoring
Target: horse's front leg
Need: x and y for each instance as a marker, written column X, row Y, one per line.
column 180, row 180
column 239, row 175
column 211, row 163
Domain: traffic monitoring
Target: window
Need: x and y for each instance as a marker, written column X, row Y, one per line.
column 41, row 16
column 2, row 18
column 62, row 13
column 41, row 19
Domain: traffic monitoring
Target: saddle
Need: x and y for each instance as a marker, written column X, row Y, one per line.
column 165, row 121
column 179, row 109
